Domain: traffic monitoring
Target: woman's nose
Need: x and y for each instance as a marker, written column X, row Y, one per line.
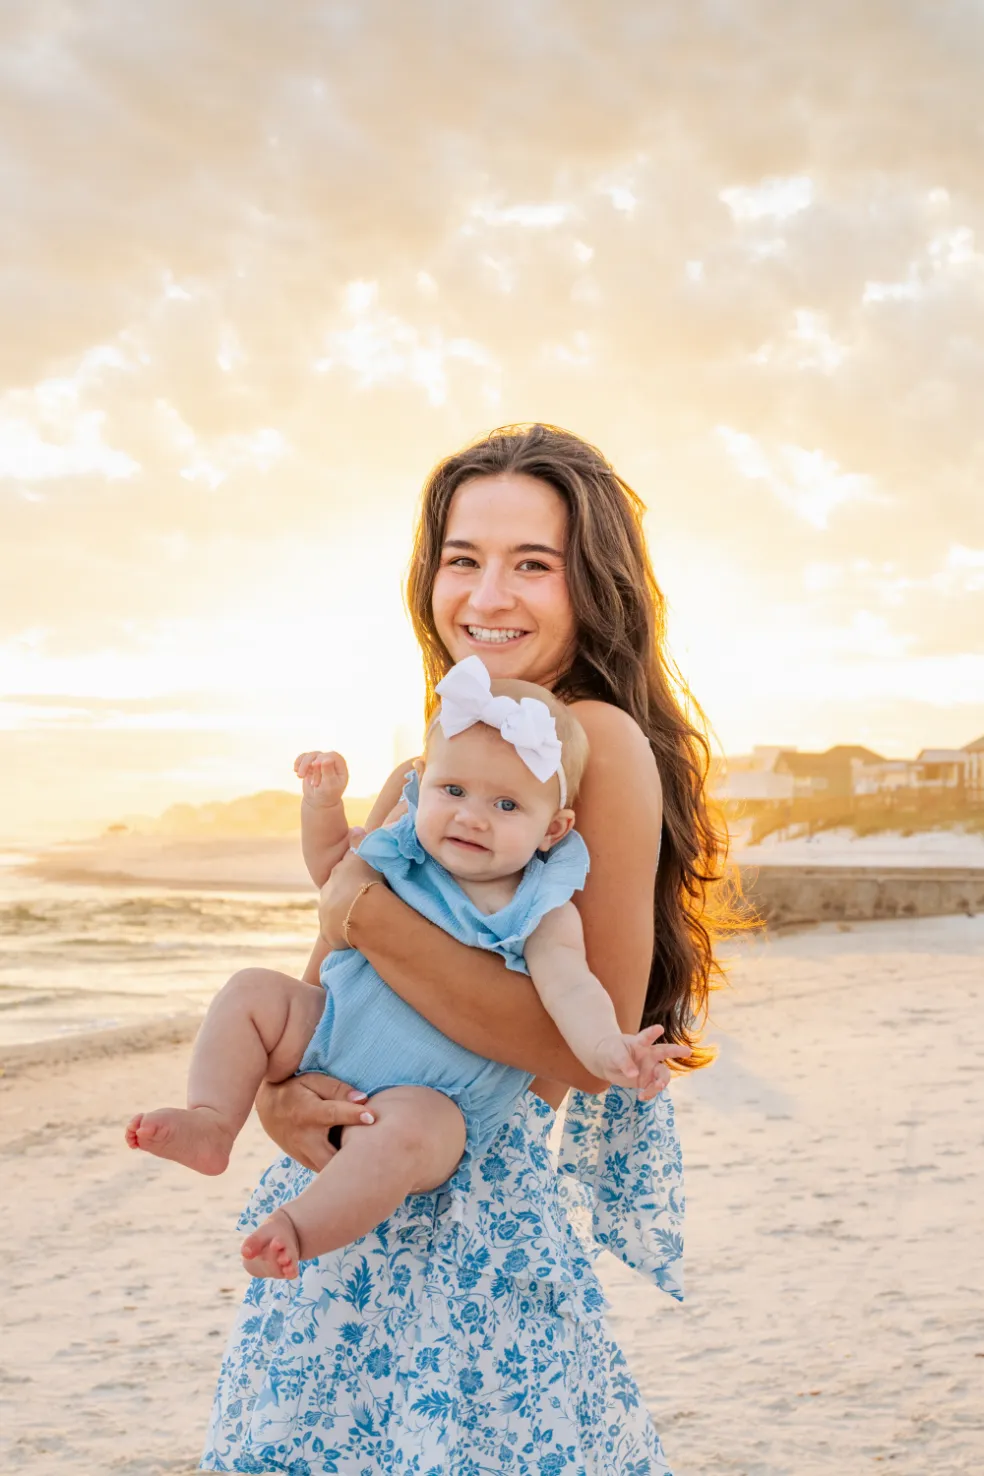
column 491, row 593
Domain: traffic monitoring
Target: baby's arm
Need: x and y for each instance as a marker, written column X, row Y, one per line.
column 583, row 1012
column 324, row 827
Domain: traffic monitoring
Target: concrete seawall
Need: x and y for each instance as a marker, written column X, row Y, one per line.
column 788, row 895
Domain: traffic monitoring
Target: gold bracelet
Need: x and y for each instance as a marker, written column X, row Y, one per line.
column 348, row 916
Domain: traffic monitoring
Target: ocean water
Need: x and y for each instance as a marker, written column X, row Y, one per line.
column 83, row 958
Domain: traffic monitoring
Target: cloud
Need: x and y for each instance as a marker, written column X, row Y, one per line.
column 46, row 434
column 804, row 481
column 263, row 267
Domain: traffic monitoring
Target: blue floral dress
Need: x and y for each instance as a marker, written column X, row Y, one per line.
column 465, row 1336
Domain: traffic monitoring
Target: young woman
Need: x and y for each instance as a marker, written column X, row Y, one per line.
column 470, row 1338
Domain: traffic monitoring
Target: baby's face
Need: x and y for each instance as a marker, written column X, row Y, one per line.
column 482, row 813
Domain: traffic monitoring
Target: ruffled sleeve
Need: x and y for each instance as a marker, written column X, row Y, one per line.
column 394, row 850
column 550, row 881
column 621, row 1173
column 565, row 870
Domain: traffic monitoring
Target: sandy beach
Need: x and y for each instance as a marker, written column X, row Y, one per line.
column 842, row 847
column 834, row 1313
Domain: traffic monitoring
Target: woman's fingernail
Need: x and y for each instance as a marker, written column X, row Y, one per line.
column 366, row 1117
column 358, row 1096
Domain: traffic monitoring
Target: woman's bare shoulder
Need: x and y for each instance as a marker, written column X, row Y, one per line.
column 614, row 736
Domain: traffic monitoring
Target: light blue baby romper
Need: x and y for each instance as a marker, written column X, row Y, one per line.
column 466, row 1334
column 372, row 1038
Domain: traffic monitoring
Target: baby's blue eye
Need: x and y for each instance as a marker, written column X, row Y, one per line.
column 454, row 790
column 507, row 804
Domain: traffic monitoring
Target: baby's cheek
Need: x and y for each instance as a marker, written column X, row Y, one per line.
column 428, row 827
column 523, row 841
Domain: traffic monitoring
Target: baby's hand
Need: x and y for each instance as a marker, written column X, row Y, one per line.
column 323, row 776
column 637, row 1061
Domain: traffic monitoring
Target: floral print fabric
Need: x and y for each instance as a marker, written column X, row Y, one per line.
column 622, row 1181
column 465, row 1336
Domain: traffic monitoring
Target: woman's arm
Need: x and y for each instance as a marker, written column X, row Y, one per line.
column 470, row 995
column 620, row 816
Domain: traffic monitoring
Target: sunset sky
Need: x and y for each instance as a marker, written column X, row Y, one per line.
column 263, row 265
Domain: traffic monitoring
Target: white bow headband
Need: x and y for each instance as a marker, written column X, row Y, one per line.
column 466, row 699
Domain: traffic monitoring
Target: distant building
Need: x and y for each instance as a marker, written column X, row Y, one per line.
column 752, row 776
column 942, row 768
column 828, row 775
column 755, row 784
column 780, row 775
column 974, row 773
column 886, row 777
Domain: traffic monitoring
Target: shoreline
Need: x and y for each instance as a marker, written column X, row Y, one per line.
column 155, row 1034
column 81, row 876
column 226, row 865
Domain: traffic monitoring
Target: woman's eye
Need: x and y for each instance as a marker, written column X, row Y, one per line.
column 534, row 566
column 462, row 562
column 507, row 804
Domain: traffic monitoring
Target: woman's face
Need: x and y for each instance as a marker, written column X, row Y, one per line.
column 501, row 588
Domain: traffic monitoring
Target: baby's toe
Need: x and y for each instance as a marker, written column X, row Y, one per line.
column 283, row 1255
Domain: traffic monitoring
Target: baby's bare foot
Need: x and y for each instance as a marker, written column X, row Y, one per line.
column 273, row 1250
column 193, row 1136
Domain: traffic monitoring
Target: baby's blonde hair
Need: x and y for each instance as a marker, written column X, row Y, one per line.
column 573, row 739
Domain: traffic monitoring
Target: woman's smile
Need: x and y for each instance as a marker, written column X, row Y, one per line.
column 489, row 635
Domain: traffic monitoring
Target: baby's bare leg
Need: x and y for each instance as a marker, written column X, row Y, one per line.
column 416, row 1144
column 258, row 1025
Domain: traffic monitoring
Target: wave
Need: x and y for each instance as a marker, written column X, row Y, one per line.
column 85, row 920
column 77, row 959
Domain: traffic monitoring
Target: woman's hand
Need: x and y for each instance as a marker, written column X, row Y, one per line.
column 299, row 1113
column 341, row 890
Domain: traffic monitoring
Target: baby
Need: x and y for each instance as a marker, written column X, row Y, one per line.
column 487, row 851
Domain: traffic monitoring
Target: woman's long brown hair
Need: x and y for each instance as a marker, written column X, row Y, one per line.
column 620, row 658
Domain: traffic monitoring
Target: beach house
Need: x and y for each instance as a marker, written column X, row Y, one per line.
column 828, row 775
column 942, row 768
column 974, row 772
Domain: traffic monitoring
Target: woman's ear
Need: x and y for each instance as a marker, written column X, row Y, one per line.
column 561, row 824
